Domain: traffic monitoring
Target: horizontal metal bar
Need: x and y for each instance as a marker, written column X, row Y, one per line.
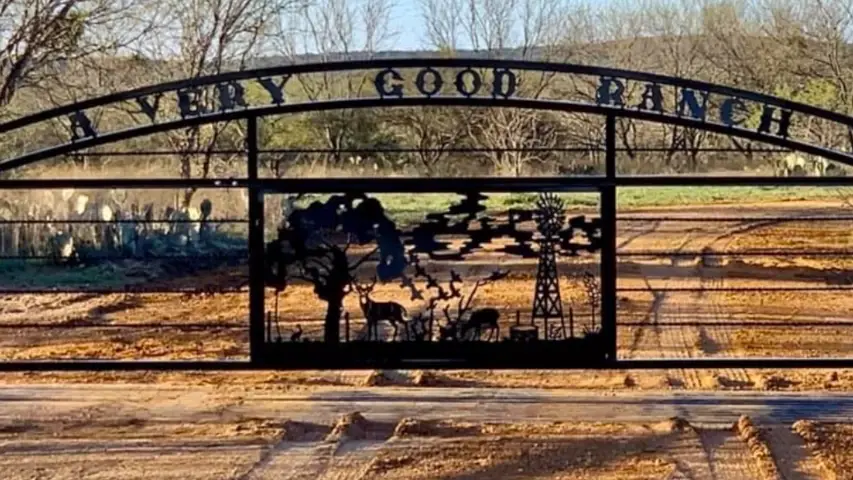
column 126, row 365
column 203, row 326
column 724, row 219
column 336, row 185
column 120, row 221
column 510, row 184
column 729, row 181
column 433, row 185
column 524, row 149
column 751, row 253
column 210, row 256
column 716, row 363
column 245, row 365
column 129, row 290
column 758, row 323
column 124, row 153
column 109, row 326
column 447, row 101
column 739, row 289
column 426, row 185
column 120, row 183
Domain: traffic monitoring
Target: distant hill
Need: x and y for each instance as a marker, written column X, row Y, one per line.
column 271, row 61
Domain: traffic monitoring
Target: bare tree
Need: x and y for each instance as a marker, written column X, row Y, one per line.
column 531, row 29
column 206, row 37
column 38, row 38
column 434, row 131
column 334, row 30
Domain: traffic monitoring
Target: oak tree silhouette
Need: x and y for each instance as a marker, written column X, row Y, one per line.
column 313, row 245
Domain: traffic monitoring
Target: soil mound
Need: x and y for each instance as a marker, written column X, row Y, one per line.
column 756, row 442
column 352, row 426
column 774, row 382
column 412, row 427
column 674, row 424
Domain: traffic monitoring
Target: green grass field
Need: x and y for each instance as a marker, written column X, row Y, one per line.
column 410, row 206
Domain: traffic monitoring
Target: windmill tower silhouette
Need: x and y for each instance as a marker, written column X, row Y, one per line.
column 547, row 304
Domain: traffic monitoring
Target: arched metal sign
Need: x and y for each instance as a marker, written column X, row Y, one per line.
column 418, row 82
column 400, row 254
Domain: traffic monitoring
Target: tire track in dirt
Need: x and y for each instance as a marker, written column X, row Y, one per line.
column 322, row 451
column 692, row 341
column 720, row 336
column 728, row 457
column 711, row 454
column 342, row 459
column 291, row 460
column 668, row 342
column 792, row 455
column 352, row 460
column 650, row 337
column 716, row 340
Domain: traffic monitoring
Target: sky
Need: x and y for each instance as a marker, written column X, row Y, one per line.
column 406, row 20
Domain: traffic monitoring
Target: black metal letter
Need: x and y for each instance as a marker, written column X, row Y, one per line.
column 189, row 102
column 276, row 90
column 504, row 83
column 767, row 119
column 688, row 100
column 652, row 94
column 382, row 83
column 436, row 81
column 147, row 108
column 81, row 126
column 730, row 108
column 231, row 95
column 476, row 82
column 605, row 94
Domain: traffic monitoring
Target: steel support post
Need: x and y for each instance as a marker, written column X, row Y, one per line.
column 608, row 247
column 256, row 245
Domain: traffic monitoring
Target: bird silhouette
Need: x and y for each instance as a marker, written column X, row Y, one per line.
column 455, row 277
column 420, row 271
column 431, row 283
column 454, row 292
column 416, row 294
column 442, row 294
column 406, row 282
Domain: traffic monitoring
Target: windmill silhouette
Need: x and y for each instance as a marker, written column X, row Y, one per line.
column 547, row 304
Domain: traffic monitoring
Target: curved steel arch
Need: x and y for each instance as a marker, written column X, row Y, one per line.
column 477, row 100
column 551, row 105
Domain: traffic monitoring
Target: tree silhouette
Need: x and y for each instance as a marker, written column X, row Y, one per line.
column 313, row 245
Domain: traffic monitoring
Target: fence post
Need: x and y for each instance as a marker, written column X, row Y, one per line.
column 256, row 245
column 608, row 247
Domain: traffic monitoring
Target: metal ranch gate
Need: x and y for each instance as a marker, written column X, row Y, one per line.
column 338, row 237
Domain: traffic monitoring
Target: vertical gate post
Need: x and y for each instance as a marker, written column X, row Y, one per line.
column 256, row 245
column 608, row 236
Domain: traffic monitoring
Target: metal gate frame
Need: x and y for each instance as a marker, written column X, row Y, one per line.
column 84, row 136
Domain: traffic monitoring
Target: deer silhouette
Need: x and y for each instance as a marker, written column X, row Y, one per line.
column 374, row 311
column 484, row 318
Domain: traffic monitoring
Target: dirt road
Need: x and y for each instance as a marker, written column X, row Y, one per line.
column 130, row 431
